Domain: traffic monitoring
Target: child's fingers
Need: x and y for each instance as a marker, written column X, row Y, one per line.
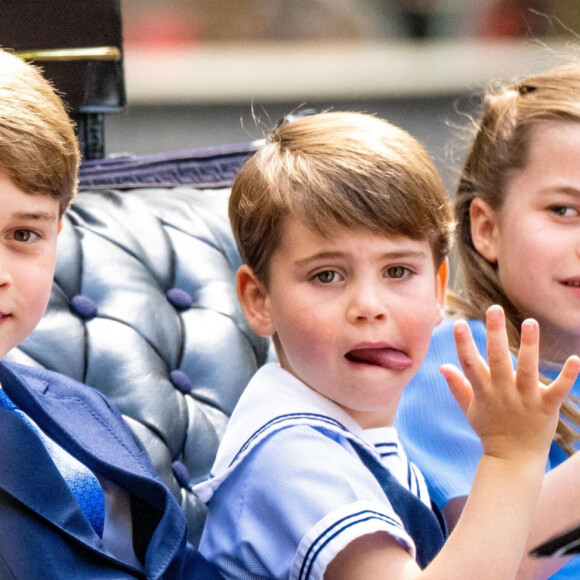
column 498, row 353
column 472, row 363
column 527, row 376
column 458, row 385
column 560, row 387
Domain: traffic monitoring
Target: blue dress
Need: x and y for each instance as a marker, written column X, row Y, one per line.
column 436, row 434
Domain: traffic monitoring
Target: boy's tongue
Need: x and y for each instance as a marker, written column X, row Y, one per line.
column 382, row 357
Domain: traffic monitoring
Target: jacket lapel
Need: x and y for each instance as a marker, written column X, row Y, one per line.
column 81, row 424
column 28, row 474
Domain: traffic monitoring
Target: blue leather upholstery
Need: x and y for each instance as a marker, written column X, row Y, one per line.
column 143, row 308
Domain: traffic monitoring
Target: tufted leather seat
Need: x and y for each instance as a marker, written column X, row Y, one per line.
column 143, row 308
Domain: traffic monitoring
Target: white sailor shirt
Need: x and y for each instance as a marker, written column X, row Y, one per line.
column 288, row 489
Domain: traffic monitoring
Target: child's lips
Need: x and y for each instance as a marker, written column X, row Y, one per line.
column 381, row 356
column 572, row 285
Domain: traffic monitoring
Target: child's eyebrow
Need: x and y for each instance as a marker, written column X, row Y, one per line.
column 321, row 256
column 394, row 255
column 565, row 189
column 405, row 254
column 36, row 216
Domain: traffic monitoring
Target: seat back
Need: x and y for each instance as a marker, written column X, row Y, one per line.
column 144, row 307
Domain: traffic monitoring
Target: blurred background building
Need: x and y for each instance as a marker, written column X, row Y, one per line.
column 211, row 72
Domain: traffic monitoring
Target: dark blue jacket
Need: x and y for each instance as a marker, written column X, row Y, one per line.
column 43, row 533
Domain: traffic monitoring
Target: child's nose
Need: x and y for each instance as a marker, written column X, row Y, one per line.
column 367, row 304
column 5, row 277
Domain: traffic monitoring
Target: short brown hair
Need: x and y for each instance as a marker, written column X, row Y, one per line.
column 347, row 169
column 38, row 147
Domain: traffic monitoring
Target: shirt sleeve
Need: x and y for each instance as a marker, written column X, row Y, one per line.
column 293, row 503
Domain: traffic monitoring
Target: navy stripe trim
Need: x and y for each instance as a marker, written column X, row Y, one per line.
column 336, row 529
column 282, row 419
column 389, row 454
column 411, row 477
column 387, row 449
column 390, row 445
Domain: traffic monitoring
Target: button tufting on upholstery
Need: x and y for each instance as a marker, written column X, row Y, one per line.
column 83, row 306
column 125, row 249
column 181, row 473
column 179, row 298
column 181, row 381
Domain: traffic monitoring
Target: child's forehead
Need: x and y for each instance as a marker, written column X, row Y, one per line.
column 17, row 203
column 341, row 237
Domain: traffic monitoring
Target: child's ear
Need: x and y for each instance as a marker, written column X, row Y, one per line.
column 484, row 229
column 253, row 298
column 59, row 225
column 441, row 281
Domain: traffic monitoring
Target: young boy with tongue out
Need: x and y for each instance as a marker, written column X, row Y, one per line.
column 343, row 227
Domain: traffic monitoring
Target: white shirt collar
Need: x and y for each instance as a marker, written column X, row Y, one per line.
column 273, row 399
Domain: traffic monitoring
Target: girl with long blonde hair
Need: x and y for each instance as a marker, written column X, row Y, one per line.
column 517, row 212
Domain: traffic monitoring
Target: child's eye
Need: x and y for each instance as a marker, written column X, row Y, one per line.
column 327, row 276
column 24, row 236
column 564, row 210
column 397, row 272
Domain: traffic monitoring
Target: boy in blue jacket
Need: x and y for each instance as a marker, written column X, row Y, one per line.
column 78, row 499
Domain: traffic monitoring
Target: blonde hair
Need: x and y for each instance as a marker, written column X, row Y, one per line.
column 38, row 146
column 501, row 146
column 347, row 169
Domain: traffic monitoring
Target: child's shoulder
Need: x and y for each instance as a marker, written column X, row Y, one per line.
column 80, row 411
column 276, row 417
column 275, row 399
column 300, row 495
column 43, row 381
column 39, row 391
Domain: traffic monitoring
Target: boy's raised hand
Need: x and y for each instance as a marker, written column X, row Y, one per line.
column 511, row 411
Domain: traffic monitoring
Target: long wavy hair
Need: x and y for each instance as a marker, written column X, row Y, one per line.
column 501, row 145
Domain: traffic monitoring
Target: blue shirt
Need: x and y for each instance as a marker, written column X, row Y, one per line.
column 436, row 434
column 288, row 490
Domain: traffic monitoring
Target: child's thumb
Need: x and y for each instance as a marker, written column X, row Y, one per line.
column 560, row 387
